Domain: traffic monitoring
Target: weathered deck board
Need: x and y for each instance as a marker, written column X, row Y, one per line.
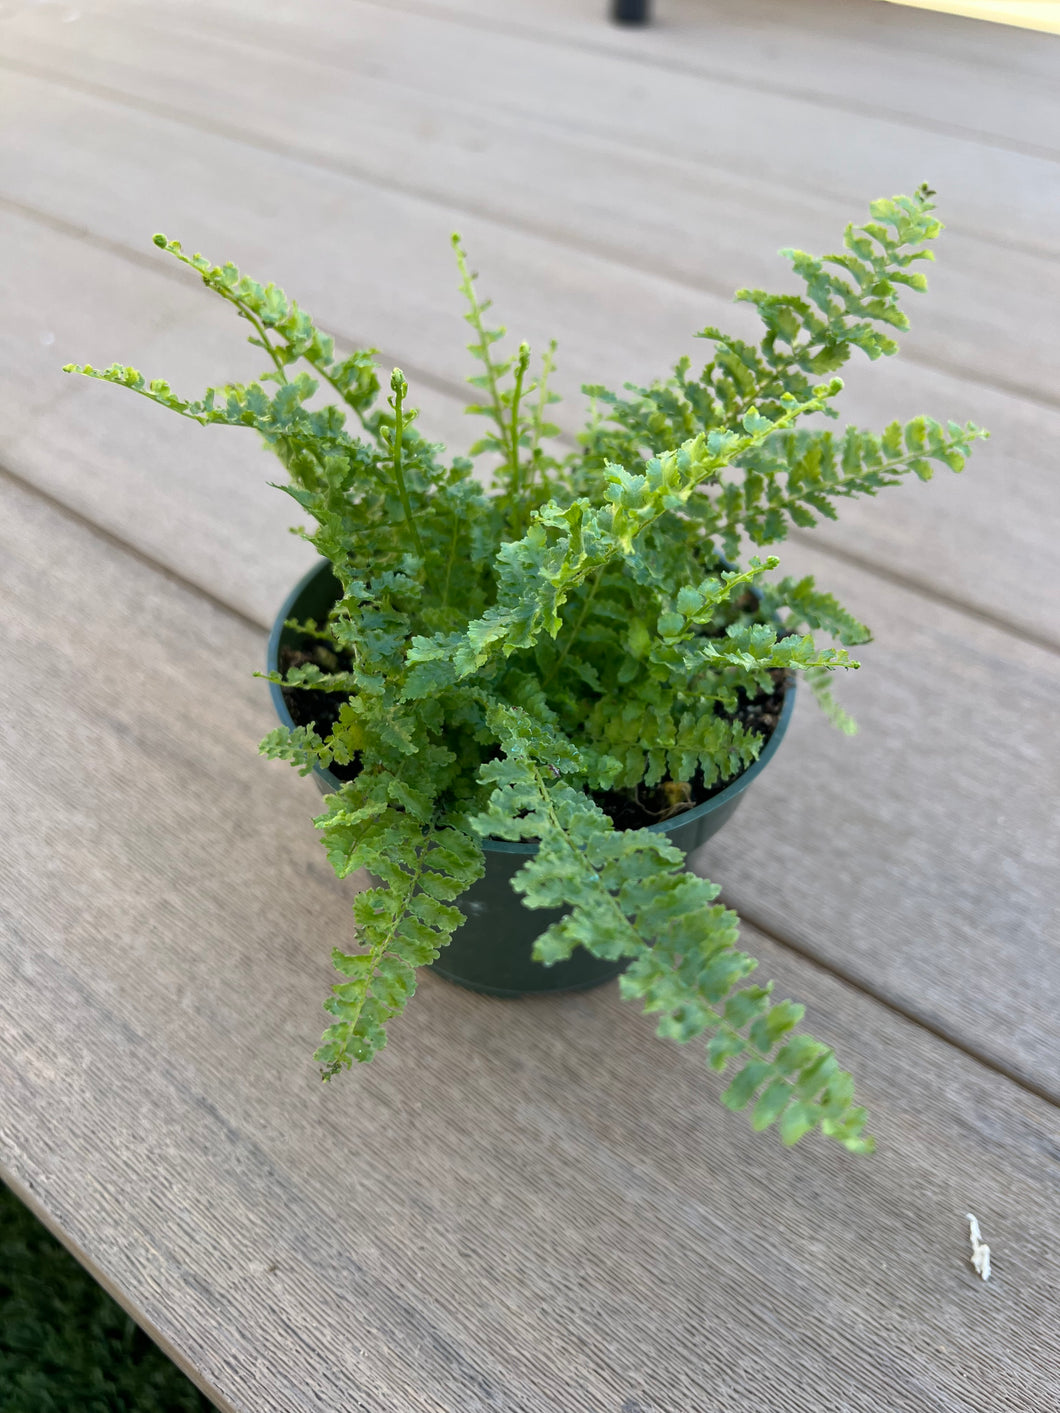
column 1001, row 191
column 439, row 131
column 519, row 1206
column 862, row 48
column 347, row 249
column 847, row 56
column 531, row 1206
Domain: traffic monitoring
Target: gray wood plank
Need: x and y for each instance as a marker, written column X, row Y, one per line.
column 875, row 40
column 631, row 198
column 928, row 72
column 519, row 1206
column 377, row 265
column 996, row 189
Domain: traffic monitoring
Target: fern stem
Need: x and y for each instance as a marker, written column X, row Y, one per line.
column 248, row 314
column 513, row 430
column 774, row 386
column 538, row 421
column 519, row 517
column 323, row 373
column 885, row 468
column 718, row 1022
column 554, row 669
column 401, row 387
column 474, row 317
column 450, row 559
column 170, row 407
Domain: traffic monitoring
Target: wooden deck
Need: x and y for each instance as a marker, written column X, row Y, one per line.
column 535, row 1206
column 1028, row 14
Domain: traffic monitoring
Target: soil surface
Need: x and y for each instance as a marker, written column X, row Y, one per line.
column 317, row 709
column 648, row 804
column 629, row 809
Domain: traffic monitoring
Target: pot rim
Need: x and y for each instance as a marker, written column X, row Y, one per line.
column 672, row 826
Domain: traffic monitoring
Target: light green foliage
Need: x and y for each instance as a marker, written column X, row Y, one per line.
column 403, row 921
column 630, row 896
column 506, row 654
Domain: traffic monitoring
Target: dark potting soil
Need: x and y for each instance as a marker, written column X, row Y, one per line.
column 648, row 804
column 317, row 709
column 629, row 809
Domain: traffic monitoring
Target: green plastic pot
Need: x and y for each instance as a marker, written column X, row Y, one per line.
column 490, row 952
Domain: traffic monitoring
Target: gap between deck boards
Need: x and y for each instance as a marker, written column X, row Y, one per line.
column 807, row 955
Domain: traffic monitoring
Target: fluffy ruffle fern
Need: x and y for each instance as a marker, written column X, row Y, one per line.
column 580, row 625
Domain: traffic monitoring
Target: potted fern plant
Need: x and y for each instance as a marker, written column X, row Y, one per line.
column 558, row 677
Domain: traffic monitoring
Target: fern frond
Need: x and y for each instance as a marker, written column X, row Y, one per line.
column 794, row 477
column 565, row 544
column 300, row 746
column 754, row 649
column 402, row 924
column 849, row 296
column 516, row 405
column 629, row 896
column 648, row 738
column 307, row 677
column 820, row 685
column 851, row 300
column 808, row 605
column 268, row 309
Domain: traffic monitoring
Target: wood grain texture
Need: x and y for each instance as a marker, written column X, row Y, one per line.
column 519, row 1206
column 406, row 104
column 1002, row 190
column 533, row 1206
column 882, row 49
column 848, row 57
column 376, row 265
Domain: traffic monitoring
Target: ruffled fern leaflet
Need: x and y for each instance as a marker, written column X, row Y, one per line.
column 629, row 896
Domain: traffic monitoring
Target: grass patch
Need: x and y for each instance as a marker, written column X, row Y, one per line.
column 65, row 1345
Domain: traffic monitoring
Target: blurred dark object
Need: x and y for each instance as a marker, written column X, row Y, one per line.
column 630, row 12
